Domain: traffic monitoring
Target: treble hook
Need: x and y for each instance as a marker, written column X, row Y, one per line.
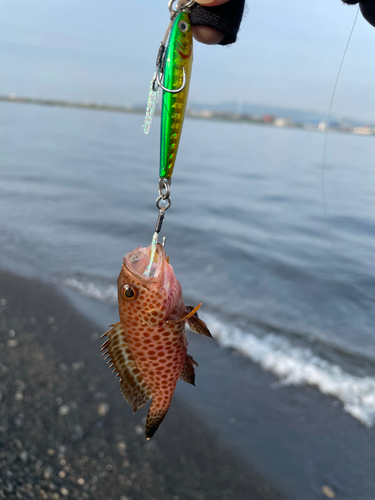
column 177, row 90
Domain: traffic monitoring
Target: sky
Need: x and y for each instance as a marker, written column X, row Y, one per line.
column 288, row 54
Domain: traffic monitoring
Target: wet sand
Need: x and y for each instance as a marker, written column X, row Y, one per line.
column 67, row 432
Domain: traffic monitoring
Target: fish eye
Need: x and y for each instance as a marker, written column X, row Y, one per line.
column 129, row 292
column 183, row 26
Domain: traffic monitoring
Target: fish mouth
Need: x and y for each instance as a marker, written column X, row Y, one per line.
column 137, row 261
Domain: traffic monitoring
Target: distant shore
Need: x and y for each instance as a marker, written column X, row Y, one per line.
column 205, row 114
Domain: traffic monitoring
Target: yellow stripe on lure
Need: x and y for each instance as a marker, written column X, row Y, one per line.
column 176, row 72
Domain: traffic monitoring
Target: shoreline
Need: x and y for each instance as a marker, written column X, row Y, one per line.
column 300, row 439
column 238, row 434
column 363, row 131
column 67, row 431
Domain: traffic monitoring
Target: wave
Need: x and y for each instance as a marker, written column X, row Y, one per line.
column 300, row 366
column 103, row 293
column 291, row 364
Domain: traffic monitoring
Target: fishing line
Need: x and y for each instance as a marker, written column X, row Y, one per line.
column 327, row 129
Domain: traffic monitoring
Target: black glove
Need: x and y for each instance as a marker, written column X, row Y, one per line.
column 225, row 18
column 367, row 8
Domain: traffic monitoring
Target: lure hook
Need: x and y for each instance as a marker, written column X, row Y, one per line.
column 170, row 90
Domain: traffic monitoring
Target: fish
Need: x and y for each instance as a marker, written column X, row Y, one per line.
column 148, row 346
column 176, row 73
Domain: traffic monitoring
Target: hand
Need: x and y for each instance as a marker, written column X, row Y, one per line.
column 367, row 8
column 205, row 34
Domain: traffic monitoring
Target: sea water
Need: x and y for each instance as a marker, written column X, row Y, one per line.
column 285, row 278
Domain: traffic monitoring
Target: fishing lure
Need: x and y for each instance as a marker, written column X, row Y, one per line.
column 176, row 82
column 172, row 75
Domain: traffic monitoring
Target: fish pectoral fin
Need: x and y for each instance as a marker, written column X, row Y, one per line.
column 188, row 373
column 196, row 324
column 118, row 353
column 190, row 310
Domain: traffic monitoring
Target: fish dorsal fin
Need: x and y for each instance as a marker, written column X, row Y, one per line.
column 195, row 323
column 117, row 351
column 188, row 373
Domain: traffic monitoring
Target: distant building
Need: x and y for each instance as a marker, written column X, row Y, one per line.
column 322, row 126
column 331, row 125
column 206, row 113
column 364, row 130
column 283, row 122
column 268, row 118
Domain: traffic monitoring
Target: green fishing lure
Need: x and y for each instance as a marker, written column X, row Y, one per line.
column 173, row 72
column 176, row 72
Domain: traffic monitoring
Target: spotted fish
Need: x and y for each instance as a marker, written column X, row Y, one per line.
column 148, row 346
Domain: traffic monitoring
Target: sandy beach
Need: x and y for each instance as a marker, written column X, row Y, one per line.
column 66, row 431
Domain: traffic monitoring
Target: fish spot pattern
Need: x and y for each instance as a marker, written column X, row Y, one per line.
column 148, row 346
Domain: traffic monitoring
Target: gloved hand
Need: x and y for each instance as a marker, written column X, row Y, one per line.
column 367, row 8
column 216, row 21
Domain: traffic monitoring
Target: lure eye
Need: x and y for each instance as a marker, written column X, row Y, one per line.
column 129, row 292
column 183, row 26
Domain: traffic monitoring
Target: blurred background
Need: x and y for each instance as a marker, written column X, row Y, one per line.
column 277, row 246
column 287, row 54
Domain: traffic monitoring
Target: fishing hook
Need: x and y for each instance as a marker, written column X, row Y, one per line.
column 170, row 90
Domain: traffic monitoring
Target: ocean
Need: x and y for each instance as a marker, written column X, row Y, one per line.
column 280, row 252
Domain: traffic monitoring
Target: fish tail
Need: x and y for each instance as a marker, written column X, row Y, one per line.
column 155, row 417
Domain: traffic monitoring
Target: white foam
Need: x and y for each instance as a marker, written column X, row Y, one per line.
column 291, row 364
column 300, row 366
column 103, row 293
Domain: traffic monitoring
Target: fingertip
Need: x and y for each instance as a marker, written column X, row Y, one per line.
column 211, row 3
column 207, row 35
